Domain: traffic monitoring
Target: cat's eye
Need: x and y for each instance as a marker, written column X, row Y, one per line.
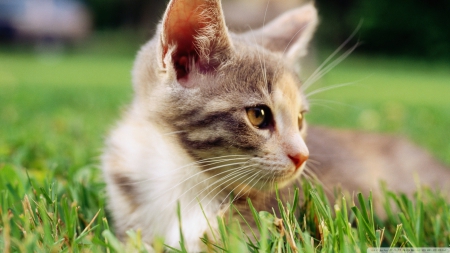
column 301, row 119
column 259, row 116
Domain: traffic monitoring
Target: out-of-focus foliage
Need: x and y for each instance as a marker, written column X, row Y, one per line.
column 130, row 13
column 400, row 27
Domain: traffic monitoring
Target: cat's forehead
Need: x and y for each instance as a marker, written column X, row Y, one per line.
column 260, row 73
column 287, row 93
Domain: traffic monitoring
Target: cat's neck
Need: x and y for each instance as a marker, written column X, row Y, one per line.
column 163, row 176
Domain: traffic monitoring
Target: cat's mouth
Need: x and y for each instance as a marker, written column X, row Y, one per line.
column 241, row 173
column 267, row 180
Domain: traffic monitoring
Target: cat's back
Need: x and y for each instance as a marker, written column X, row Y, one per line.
column 357, row 161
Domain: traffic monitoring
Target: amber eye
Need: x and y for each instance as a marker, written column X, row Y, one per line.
column 259, row 116
column 300, row 120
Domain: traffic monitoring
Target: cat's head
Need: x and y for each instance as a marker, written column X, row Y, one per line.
column 234, row 102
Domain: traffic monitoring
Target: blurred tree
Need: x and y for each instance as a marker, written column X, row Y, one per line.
column 129, row 13
column 401, row 27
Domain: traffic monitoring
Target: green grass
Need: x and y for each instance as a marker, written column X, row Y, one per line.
column 405, row 97
column 56, row 110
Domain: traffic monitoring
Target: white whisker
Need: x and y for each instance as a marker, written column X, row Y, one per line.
column 332, row 87
column 311, row 176
column 249, row 188
column 234, row 171
column 264, row 57
column 322, row 105
column 321, row 101
column 176, row 132
column 253, row 186
column 313, row 78
column 265, row 14
column 236, row 195
column 335, row 86
column 203, row 171
column 315, row 162
column 208, row 161
column 237, row 176
column 308, row 83
column 267, row 179
column 292, row 39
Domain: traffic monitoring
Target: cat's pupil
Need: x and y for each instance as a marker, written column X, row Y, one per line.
column 260, row 117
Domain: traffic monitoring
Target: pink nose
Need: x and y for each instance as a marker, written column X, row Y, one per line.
column 298, row 160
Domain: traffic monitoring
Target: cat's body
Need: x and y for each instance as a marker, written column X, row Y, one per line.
column 358, row 162
column 216, row 114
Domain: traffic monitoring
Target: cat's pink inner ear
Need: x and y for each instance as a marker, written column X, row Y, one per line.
column 182, row 24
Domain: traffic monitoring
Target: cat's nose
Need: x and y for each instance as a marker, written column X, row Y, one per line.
column 298, row 159
column 296, row 150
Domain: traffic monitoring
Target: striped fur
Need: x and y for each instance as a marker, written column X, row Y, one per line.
column 186, row 138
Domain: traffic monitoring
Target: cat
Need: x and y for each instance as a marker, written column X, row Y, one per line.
column 256, row 12
column 217, row 114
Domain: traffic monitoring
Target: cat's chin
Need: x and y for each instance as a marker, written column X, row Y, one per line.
column 284, row 179
column 266, row 185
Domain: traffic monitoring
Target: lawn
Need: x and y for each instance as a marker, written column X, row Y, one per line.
column 56, row 109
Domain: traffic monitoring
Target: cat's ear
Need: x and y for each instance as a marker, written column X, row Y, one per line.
column 193, row 36
column 290, row 33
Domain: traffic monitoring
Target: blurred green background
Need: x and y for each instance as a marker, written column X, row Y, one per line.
column 65, row 77
column 402, row 27
column 58, row 98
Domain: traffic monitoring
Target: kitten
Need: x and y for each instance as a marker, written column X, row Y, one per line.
column 218, row 114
